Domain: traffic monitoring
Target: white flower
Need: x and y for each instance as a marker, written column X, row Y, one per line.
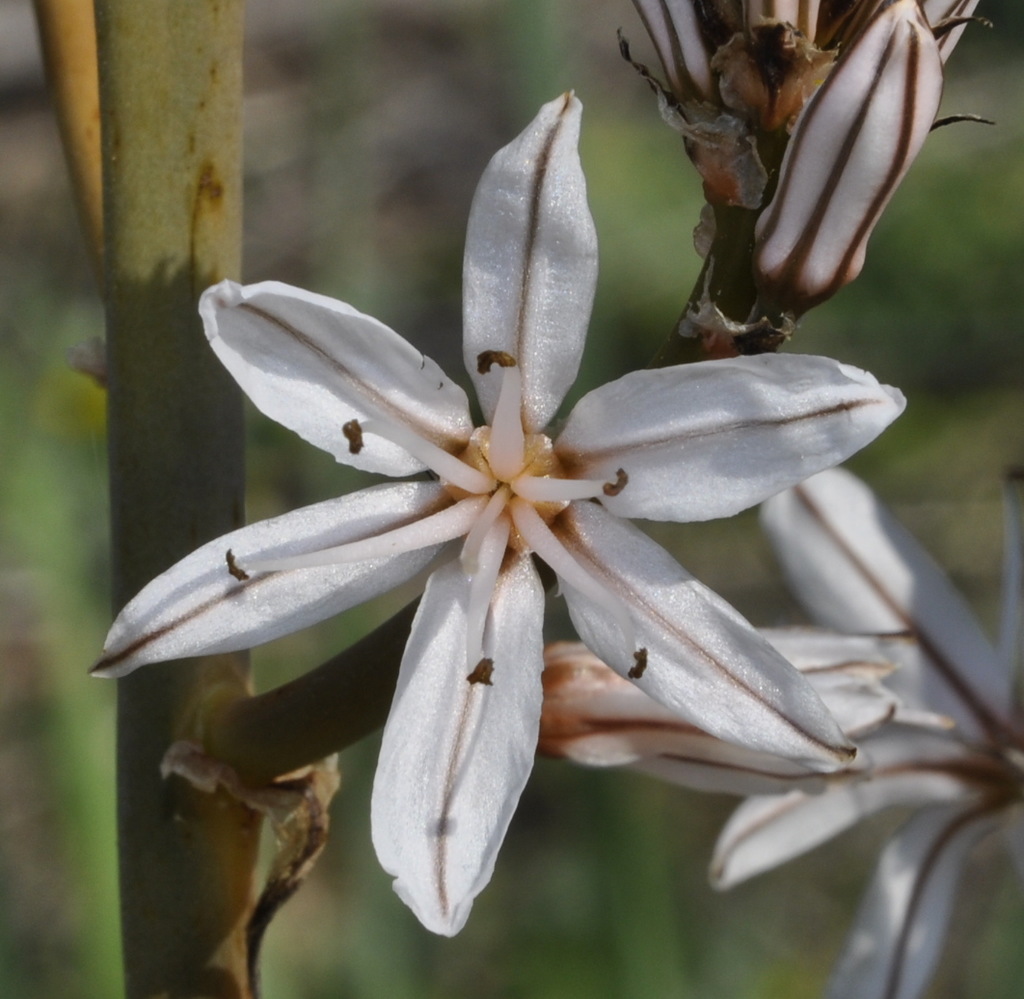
column 594, row 717
column 676, row 444
column 855, row 567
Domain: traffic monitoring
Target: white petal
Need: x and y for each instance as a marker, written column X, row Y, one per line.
column 675, row 31
column 531, row 263
column 456, row 755
column 704, row 661
column 851, row 146
column 197, row 607
column 905, row 768
column 846, row 672
column 897, row 938
column 855, row 567
column 313, row 364
column 597, row 718
column 940, row 10
column 707, row 440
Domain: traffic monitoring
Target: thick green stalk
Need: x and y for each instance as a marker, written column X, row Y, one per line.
column 170, row 92
column 319, row 713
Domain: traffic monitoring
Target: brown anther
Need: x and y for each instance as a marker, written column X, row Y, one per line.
column 235, row 569
column 487, row 360
column 616, row 487
column 482, row 672
column 354, row 435
column 639, row 664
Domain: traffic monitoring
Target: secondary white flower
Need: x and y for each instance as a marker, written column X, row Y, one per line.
column 854, row 566
column 677, row 444
column 594, row 717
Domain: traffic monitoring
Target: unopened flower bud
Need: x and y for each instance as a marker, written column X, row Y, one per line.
column 678, row 30
column 942, row 13
column 850, row 148
column 801, row 14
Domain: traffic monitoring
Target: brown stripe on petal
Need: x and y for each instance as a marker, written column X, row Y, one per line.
column 900, row 156
column 961, row 687
column 536, row 190
column 672, row 60
column 922, row 874
column 573, row 462
column 798, row 777
column 785, row 281
column 785, row 803
column 445, row 823
column 570, row 537
column 110, row 661
column 253, row 581
column 380, row 400
column 785, row 269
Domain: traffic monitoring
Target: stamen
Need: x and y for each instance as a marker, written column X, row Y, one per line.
column 470, row 556
column 488, row 358
column 639, row 664
column 451, row 469
column 544, row 542
column 506, row 454
column 234, row 568
column 452, row 522
column 481, row 587
column 616, row 487
column 482, row 672
column 546, row 489
column 354, row 435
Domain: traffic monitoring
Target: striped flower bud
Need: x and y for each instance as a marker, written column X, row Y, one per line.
column 850, row 148
column 801, row 117
column 948, row 18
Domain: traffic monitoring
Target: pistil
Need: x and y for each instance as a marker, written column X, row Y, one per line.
column 508, row 442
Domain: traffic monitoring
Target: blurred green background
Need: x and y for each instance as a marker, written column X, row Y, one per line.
column 368, row 123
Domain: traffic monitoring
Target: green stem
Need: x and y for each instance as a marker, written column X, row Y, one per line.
column 727, row 281
column 170, row 92
column 319, row 713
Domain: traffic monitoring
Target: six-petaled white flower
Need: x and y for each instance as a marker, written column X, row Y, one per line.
column 854, row 566
column 672, row 444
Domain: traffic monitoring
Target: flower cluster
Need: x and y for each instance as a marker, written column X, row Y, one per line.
column 802, row 119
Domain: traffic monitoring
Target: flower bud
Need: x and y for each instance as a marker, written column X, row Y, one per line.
column 675, row 29
column 939, row 13
column 801, row 14
column 850, row 148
